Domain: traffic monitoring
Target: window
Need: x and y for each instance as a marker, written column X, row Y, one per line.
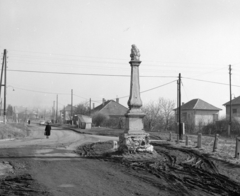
column 184, row 116
column 234, row 111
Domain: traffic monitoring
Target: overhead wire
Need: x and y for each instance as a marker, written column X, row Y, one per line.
column 150, row 89
column 211, row 71
column 88, row 74
column 209, row 81
column 118, row 59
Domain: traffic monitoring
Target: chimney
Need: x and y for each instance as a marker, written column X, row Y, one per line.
column 93, row 105
column 117, row 100
column 182, row 103
column 103, row 101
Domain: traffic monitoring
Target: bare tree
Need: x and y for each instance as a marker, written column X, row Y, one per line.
column 152, row 111
column 159, row 114
column 82, row 108
column 167, row 107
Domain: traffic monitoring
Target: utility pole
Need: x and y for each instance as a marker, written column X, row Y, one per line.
column 90, row 103
column 179, row 107
column 230, row 109
column 53, row 112
column 5, row 87
column 25, row 114
column 177, row 116
column 3, row 62
column 72, row 106
column 56, row 109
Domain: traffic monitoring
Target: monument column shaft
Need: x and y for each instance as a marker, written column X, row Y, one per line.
column 134, row 137
column 134, row 98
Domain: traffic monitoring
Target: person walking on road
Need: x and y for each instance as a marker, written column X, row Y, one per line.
column 48, row 130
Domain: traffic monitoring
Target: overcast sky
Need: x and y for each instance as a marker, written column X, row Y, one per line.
column 197, row 38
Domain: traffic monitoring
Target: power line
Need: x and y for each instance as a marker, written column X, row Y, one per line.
column 66, row 61
column 92, row 57
column 211, row 71
column 184, row 89
column 80, row 96
column 209, row 81
column 69, row 73
column 45, row 92
column 151, row 89
column 67, row 55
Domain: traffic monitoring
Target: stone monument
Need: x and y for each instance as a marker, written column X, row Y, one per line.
column 134, row 137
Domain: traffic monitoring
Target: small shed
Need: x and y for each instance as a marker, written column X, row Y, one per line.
column 83, row 121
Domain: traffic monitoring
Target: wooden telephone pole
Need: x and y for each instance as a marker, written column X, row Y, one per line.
column 179, row 108
column 4, row 69
column 72, row 106
column 56, row 109
column 230, row 108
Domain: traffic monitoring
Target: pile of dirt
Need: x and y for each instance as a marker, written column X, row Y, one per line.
column 21, row 185
column 184, row 170
column 95, row 149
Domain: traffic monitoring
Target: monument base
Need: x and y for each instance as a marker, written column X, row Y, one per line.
column 134, row 143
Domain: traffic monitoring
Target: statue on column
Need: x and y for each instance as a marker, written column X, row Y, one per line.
column 134, row 138
column 135, row 53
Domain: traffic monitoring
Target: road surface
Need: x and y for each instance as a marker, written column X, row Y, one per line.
column 39, row 166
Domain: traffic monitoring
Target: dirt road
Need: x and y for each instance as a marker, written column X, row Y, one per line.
column 40, row 166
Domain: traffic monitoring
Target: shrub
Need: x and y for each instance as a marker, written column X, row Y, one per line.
column 99, row 118
column 221, row 127
column 13, row 130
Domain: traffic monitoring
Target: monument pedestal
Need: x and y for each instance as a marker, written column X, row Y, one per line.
column 135, row 139
column 134, row 143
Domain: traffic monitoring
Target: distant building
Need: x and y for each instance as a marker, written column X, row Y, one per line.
column 235, row 108
column 83, row 121
column 66, row 113
column 196, row 114
column 111, row 108
column 114, row 111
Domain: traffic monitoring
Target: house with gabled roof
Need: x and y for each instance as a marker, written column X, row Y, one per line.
column 235, row 108
column 197, row 113
column 111, row 108
column 66, row 112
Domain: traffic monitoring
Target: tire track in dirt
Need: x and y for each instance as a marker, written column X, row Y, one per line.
column 188, row 170
column 179, row 171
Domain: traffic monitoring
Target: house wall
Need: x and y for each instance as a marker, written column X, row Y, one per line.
column 197, row 118
column 186, row 115
column 205, row 117
column 234, row 107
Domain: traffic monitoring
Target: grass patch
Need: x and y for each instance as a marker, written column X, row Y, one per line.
column 13, row 130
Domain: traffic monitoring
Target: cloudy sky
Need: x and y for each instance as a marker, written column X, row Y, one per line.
column 197, row 38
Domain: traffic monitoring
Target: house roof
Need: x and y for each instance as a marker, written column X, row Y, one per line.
column 235, row 101
column 198, row 104
column 111, row 108
column 100, row 107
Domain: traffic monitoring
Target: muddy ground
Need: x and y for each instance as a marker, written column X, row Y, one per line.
column 37, row 166
column 179, row 170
